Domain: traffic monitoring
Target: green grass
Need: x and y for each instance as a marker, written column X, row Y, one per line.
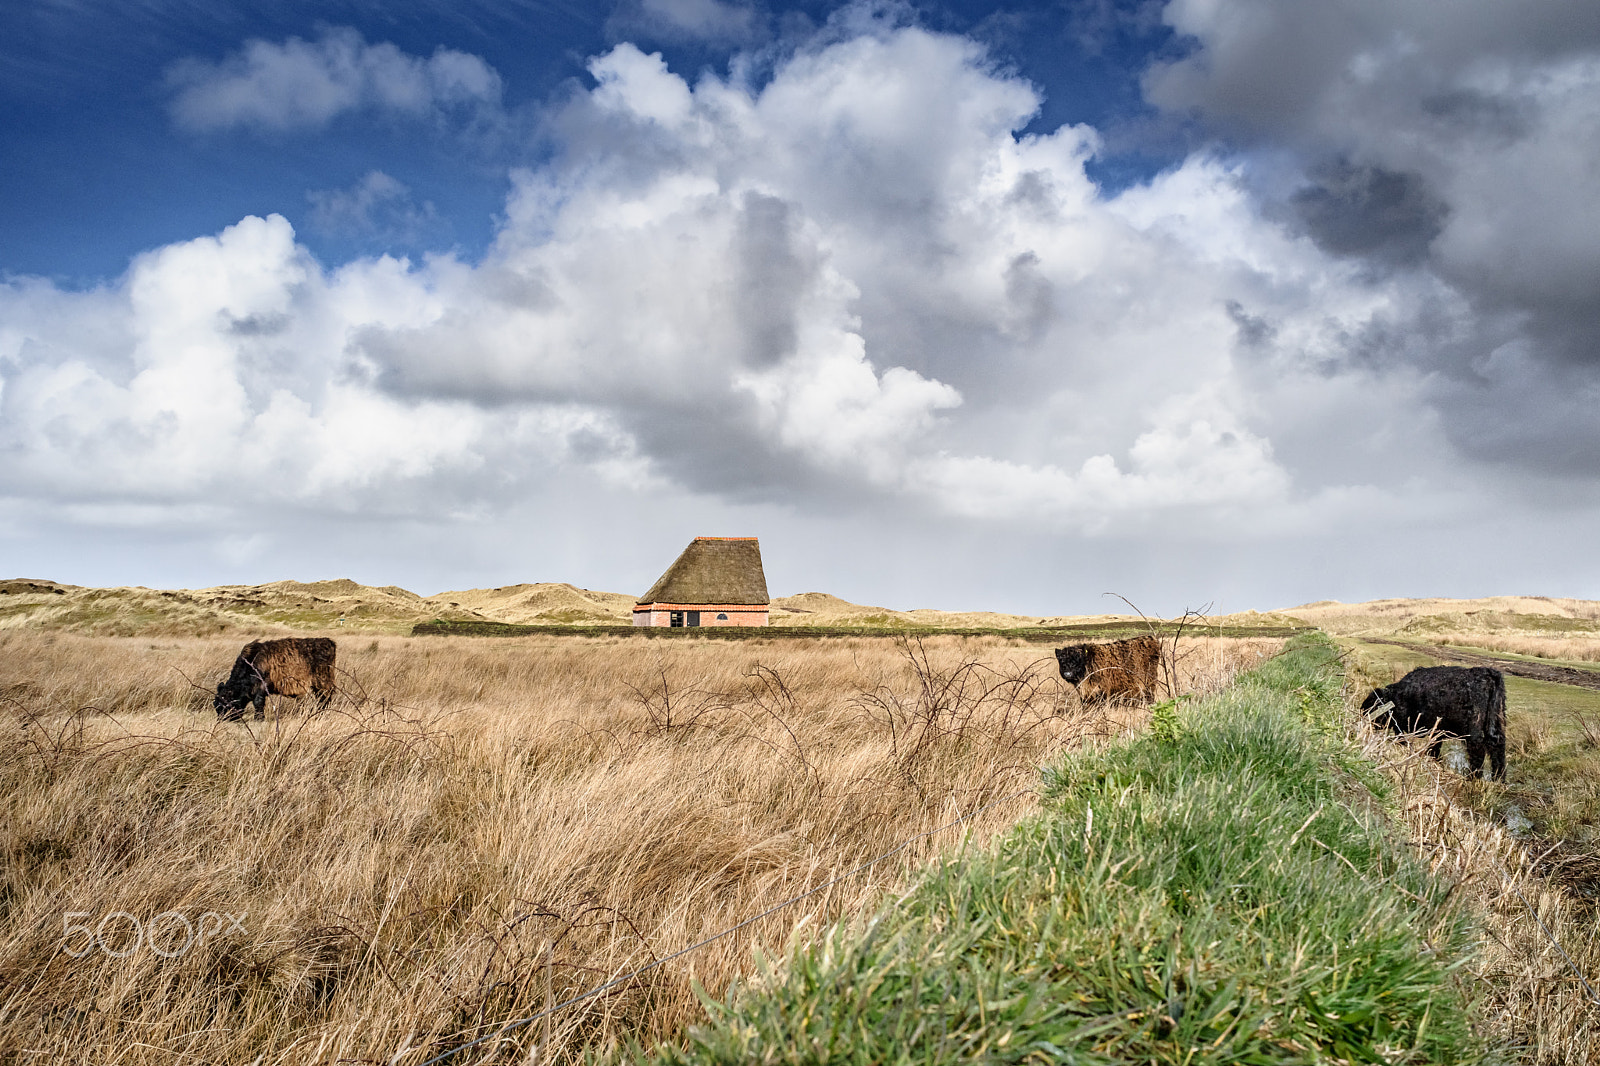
column 1219, row 890
column 1417, row 654
column 1368, row 666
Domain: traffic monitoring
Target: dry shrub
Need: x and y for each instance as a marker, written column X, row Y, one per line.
column 476, row 828
column 1528, row 737
column 1536, row 901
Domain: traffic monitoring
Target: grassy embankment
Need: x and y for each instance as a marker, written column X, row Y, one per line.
column 1223, row 888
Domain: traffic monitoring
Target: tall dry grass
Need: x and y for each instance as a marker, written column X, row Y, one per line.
column 1572, row 649
column 477, row 828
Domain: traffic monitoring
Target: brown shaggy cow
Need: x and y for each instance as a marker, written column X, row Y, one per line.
column 1124, row 670
column 292, row 666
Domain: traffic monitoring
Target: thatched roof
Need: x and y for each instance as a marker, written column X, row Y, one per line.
column 713, row 570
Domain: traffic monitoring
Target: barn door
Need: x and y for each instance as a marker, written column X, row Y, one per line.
column 694, row 618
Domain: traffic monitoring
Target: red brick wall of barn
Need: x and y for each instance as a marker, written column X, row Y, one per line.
column 742, row 614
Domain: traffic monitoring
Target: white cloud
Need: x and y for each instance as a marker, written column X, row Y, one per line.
column 303, row 83
column 231, row 386
column 913, row 298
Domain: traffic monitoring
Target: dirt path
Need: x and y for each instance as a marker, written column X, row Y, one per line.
column 1561, row 675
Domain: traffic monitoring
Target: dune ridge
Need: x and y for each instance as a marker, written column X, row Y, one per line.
column 343, row 604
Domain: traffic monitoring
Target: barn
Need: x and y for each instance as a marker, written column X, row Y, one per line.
column 717, row 581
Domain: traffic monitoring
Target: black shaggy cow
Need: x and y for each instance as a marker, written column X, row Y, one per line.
column 1123, row 670
column 292, row 666
column 1459, row 701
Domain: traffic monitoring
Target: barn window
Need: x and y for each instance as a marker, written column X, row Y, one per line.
column 722, row 617
column 675, row 618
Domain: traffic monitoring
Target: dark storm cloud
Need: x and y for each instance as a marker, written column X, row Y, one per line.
column 1526, row 415
column 774, row 271
column 1254, row 330
column 1371, row 213
column 1480, row 114
column 1463, row 147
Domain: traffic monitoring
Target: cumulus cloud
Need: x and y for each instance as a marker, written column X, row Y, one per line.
column 853, row 287
column 861, row 271
column 307, row 84
column 221, row 380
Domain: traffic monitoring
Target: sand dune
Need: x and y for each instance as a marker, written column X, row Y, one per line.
column 279, row 606
column 821, row 609
column 290, row 606
column 545, row 603
column 1426, row 616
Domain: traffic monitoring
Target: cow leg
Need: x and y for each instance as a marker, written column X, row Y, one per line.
column 261, row 707
column 1433, row 749
column 1497, row 758
column 1475, row 753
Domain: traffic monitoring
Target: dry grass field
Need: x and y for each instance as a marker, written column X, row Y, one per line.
column 1575, row 649
column 476, row 828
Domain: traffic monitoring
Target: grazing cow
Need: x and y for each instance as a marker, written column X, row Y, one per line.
column 1459, row 701
column 1124, row 670
column 292, row 666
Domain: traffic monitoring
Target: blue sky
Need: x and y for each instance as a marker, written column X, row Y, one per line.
column 955, row 304
column 97, row 170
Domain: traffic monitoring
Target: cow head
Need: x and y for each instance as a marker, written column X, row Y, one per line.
column 1378, row 706
column 1073, row 662
column 234, row 695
